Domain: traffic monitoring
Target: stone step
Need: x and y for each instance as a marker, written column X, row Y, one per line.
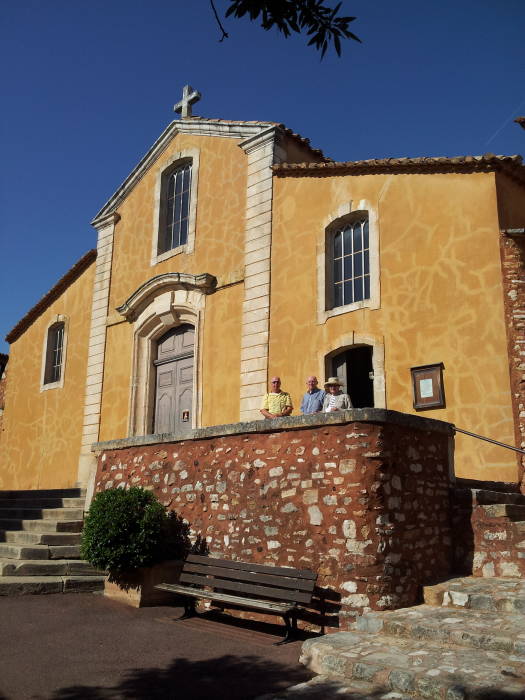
column 505, row 510
column 45, row 493
column 473, row 497
column 39, row 551
column 407, row 667
column 44, row 513
column 41, row 525
column 31, row 585
column 49, row 567
column 41, row 502
column 51, row 538
column 464, row 628
column 484, row 594
column 326, row 688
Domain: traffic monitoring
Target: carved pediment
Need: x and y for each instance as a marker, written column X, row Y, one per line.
column 170, row 281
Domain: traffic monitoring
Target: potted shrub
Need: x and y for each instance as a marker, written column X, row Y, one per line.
column 128, row 533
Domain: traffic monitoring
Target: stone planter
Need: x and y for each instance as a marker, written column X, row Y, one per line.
column 137, row 588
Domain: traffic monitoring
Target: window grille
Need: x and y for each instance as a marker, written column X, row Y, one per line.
column 54, row 353
column 177, row 208
column 351, row 263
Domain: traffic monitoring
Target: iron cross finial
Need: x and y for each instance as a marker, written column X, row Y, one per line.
column 189, row 97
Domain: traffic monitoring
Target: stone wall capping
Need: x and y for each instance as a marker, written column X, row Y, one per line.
column 355, row 415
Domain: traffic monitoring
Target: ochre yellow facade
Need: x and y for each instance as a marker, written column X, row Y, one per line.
column 40, row 441
column 440, row 299
column 219, row 250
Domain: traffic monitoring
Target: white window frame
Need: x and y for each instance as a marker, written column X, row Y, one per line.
column 45, row 386
column 177, row 159
column 345, row 215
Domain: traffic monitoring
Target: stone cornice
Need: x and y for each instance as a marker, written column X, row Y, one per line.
column 258, row 140
column 354, row 415
column 221, row 128
column 138, row 172
column 103, row 222
column 53, row 294
column 204, row 282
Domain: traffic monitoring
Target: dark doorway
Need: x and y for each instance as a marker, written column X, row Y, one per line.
column 174, row 381
column 354, row 368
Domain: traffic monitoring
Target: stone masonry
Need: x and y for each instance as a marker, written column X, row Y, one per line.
column 3, row 385
column 513, row 263
column 361, row 498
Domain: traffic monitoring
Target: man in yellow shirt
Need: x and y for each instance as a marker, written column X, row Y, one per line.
column 276, row 403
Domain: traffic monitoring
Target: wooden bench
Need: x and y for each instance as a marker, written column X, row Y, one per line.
column 274, row 589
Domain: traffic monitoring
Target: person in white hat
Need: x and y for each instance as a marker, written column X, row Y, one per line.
column 335, row 399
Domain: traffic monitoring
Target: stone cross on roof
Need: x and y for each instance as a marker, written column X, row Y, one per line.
column 189, row 97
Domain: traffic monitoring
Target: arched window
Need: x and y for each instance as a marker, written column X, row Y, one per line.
column 348, row 270
column 175, row 208
column 54, row 353
column 350, row 263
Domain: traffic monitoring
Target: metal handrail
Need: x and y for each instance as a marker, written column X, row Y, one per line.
column 494, row 442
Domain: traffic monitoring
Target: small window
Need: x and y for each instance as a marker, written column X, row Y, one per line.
column 54, row 353
column 351, row 263
column 175, row 208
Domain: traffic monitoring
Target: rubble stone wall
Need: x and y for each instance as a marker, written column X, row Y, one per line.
column 362, row 499
column 513, row 266
column 3, row 387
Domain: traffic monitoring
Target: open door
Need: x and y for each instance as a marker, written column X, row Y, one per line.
column 354, row 369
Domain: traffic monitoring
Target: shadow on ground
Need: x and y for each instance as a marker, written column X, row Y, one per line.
column 235, row 678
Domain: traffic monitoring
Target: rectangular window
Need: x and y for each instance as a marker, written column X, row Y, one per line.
column 54, row 353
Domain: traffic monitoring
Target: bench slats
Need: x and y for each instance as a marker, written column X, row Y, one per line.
column 266, row 591
column 259, row 568
column 225, row 598
column 247, row 575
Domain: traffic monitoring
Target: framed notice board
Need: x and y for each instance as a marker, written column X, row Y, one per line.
column 427, row 386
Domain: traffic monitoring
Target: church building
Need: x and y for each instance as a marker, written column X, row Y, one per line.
column 236, row 251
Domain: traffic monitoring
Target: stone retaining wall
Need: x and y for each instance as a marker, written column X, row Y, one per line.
column 513, row 265
column 360, row 497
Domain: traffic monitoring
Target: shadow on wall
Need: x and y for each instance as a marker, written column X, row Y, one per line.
column 463, row 533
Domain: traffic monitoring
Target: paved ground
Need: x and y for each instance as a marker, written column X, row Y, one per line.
column 84, row 647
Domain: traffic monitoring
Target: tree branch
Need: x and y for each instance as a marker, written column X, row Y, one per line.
column 224, row 34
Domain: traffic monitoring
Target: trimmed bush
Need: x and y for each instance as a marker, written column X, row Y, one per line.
column 125, row 530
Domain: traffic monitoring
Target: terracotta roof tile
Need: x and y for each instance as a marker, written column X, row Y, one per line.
column 512, row 165
column 289, row 132
column 44, row 303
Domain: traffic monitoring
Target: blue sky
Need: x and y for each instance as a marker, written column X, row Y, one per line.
column 88, row 86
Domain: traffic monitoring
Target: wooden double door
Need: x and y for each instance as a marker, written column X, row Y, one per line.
column 174, row 381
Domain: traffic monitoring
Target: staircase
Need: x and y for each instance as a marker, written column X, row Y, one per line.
column 40, row 543
column 466, row 641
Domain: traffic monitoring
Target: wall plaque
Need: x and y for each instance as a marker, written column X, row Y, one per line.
column 427, row 386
